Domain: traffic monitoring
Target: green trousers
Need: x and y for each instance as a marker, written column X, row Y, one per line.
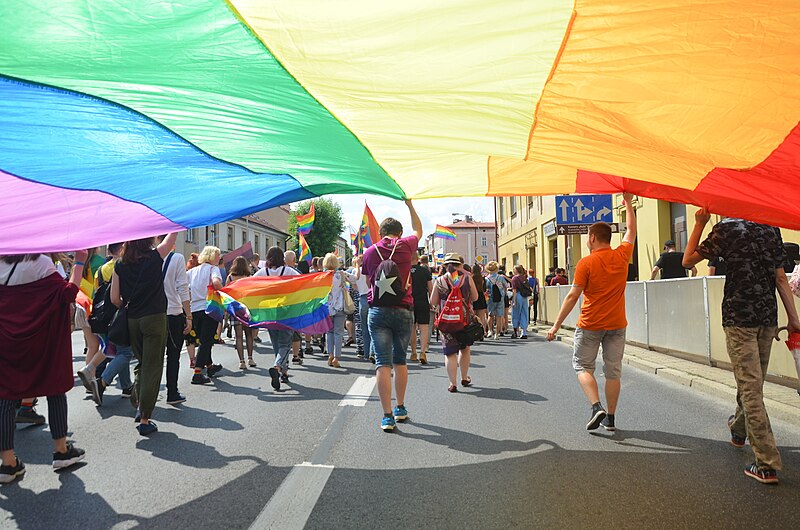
column 148, row 342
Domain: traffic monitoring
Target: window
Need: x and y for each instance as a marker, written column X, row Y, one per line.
column 190, row 235
column 267, row 242
column 230, row 238
column 530, row 202
column 484, row 241
column 513, row 208
column 515, row 258
column 255, row 244
column 244, row 237
column 539, row 201
column 501, row 209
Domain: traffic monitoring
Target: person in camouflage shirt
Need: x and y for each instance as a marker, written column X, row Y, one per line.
column 755, row 255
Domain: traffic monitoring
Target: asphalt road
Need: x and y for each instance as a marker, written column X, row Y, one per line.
column 510, row 452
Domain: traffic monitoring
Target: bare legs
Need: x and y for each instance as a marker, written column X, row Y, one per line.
column 384, row 377
column 589, row 386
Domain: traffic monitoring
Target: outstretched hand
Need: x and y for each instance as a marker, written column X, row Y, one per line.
column 627, row 197
column 81, row 255
column 702, row 216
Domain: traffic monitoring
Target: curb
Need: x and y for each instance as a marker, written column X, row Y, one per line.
column 667, row 370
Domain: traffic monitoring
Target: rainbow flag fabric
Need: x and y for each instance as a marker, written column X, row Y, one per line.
column 306, row 222
column 444, row 233
column 368, row 232
column 297, row 303
column 305, row 250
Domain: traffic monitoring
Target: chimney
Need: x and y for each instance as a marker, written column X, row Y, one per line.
column 469, row 218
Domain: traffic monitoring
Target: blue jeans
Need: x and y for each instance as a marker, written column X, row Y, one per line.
column 390, row 330
column 335, row 337
column 282, row 346
column 519, row 316
column 363, row 309
column 119, row 366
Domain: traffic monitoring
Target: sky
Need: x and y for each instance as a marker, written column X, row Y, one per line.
column 431, row 211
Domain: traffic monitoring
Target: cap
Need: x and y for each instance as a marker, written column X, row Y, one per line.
column 669, row 243
column 453, row 257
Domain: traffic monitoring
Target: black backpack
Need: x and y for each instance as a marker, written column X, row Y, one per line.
column 525, row 290
column 102, row 308
column 497, row 294
column 387, row 288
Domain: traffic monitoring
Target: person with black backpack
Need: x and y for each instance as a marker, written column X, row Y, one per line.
column 519, row 303
column 496, row 285
column 387, row 266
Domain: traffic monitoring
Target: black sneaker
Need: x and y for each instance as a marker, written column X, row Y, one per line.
column 764, row 476
column 70, row 458
column 372, row 359
column 30, row 416
column 176, row 399
column 608, row 423
column 213, row 369
column 297, row 360
column 285, row 379
column 97, row 390
column 200, row 379
column 309, row 350
column 126, row 392
column 736, row 440
column 598, row 414
column 276, row 382
column 10, row 473
column 146, row 429
column 257, row 339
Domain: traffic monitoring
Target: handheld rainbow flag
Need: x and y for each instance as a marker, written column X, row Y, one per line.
column 444, row 233
column 353, row 237
column 368, row 233
column 305, row 250
column 306, row 222
column 295, row 303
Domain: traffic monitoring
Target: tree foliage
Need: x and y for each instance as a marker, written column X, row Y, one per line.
column 328, row 226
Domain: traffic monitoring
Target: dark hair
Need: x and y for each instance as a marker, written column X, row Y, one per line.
column 391, row 227
column 18, row 258
column 255, row 257
column 602, row 231
column 451, row 268
column 192, row 263
column 423, row 259
column 552, row 270
column 519, row 269
column 302, row 266
column 240, row 267
column 275, row 258
column 468, row 268
column 477, row 277
column 113, row 248
column 137, row 250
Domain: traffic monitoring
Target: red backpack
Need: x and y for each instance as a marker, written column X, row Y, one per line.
column 453, row 316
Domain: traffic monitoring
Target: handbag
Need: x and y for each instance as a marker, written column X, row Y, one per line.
column 474, row 331
column 118, row 331
column 349, row 304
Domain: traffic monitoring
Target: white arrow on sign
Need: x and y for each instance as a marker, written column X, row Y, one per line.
column 581, row 211
column 561, row 229
column 564, row 206
column 603, row 211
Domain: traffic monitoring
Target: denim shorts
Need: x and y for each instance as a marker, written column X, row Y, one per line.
column 496, row 309
column 587, row 343
column 390, row 333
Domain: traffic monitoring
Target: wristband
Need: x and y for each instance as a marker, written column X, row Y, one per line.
column 79, row 264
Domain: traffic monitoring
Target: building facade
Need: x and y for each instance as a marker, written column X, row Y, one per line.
column 528, row 234
column 475, row 241
column 263, row 230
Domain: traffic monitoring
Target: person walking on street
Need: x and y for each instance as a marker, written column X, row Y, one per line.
column 601, row 277
column 421, row 288
column 387, row 265
column 179, row 319
column 335, row 337
column 519, row 303
column 496, row 285
column 363, row 346
column 755, row 256
column 204, row 327
column 533, row 301
column 670, row 263
column 240, row 269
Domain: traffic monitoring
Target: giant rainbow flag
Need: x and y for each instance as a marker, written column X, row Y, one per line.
column 120, row 120
column 295, row 303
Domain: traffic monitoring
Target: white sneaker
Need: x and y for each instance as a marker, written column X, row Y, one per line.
column 86, row 374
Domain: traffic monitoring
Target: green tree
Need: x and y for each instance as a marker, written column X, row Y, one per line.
column 328, row 225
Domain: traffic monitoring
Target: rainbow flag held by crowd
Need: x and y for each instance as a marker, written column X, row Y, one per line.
column 353, row 237
column 444, row 233
column 368, row 234
column 297, row 303
column 305, row 250
column 306, row 222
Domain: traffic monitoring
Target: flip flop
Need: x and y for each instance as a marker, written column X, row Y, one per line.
column 452, row 388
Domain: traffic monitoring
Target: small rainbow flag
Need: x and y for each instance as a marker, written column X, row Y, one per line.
column 444, row 233
column 305, row 250
column 368, row 233
column 297, row 303
column 306, row 222
column 353, row 237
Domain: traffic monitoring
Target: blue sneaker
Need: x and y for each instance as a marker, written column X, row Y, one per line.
column 400, row 413
column 387, row 424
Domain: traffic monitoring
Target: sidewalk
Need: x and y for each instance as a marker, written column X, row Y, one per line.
column 782, row 402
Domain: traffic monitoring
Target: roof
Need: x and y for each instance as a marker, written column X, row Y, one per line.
column 253, row 218
column 471, row 224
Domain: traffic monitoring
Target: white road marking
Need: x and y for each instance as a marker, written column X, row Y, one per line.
column 292, row 504
column 359, row 393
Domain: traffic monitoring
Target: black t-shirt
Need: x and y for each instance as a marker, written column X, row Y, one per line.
column 420, row 276
column 752, row 253
column 141, row 285
column 671, row 265
column 720, row 267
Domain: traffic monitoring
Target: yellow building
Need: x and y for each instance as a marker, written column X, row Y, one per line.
column 527, row 234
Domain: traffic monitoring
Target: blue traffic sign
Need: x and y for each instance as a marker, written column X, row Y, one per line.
column 583, row 209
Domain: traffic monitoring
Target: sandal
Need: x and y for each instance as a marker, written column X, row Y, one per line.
column 251, row 363
column 242, row 365
column 466, row 382
column 330, row 361
column 452, row 388
column 336, row 363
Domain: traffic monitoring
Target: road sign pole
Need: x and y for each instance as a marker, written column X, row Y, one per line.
column 566, row 255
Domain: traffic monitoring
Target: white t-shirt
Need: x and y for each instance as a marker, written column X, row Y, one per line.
column 176, row 284
column 199, row 280
column 280, row 271
column 27, row 271
column 361, row 283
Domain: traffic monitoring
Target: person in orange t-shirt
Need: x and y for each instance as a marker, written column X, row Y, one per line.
column 601, row 278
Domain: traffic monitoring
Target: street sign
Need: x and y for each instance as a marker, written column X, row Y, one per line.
column 549, row 228
column 583, row 209
column 571, row 230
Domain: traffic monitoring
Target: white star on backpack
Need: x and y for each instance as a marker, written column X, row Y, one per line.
column 384, row 284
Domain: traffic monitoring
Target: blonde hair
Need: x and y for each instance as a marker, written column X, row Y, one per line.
column 209, row 255
column 492, row 266
column 330, row 262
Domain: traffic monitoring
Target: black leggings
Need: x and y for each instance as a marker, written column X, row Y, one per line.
column 56, row 415
column 205, row 328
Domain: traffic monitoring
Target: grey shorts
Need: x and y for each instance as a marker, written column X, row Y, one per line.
column 587, row 343
column 496, row 309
